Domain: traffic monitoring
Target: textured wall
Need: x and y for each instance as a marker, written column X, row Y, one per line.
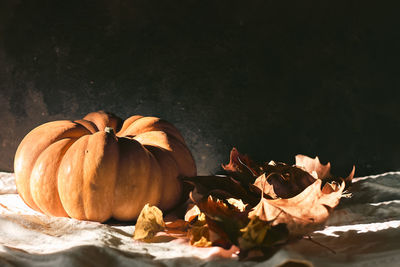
column 273, row 78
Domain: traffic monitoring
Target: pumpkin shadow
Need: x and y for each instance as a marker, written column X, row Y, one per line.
column 114, row 222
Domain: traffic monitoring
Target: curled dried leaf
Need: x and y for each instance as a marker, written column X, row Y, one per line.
column 267, row 188
column 241, row 163
column 304, row 212
column 224, row 220
column 178, row 224
column 198, row 233
column 262, row 234
column 149, row 223
column 323, row 172
column 314, row 165
column 237, row 203
column 283, row 181
column 220, row 186
column 192, row 213
column 242, row 168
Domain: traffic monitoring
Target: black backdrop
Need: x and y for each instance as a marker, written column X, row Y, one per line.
column 273, row 78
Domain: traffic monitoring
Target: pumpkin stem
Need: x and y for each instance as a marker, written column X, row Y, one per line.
column 109, row 130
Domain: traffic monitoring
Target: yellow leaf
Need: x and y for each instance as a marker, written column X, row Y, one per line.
column 253, row 234
column 149, row 223
column 202, row 242
column 199, row 233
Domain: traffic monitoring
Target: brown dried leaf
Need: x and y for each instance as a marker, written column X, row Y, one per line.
column 314, row 166
column 267, row 188
column 304, row 212
column 217, row 208
column 224, row 220
column 283, row 181
column 221, row 187
column 241, row 163
column 178, row 224
column 198, row 233
column 149, row 223
column 176, row 228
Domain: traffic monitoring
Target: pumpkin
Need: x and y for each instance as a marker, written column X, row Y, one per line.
column 101, row 167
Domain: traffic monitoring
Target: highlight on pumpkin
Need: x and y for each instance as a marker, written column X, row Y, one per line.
column 102, row 167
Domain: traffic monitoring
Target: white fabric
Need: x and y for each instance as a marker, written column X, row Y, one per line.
column 363, row 231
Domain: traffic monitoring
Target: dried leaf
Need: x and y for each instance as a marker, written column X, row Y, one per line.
column 242, row 168
column 221, row 187
column 202, row 242
column 322, row 171
column 198, row 233
column 314, row 165
column 304, row 212
column 226, row 221
column 267, row 188
column 262, row 234
column 237, row 203
column 254, row 233
column 241, row 163
column 178, row 224
column 192, row 213
column 149, row 223
column 176, row 228
column 283, row 181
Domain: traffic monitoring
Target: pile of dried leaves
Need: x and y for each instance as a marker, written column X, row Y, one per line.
column 255, row 208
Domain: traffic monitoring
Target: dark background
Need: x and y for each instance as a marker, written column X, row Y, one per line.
column 273, row 78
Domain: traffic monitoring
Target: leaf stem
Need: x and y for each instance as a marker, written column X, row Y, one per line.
column 319, row 244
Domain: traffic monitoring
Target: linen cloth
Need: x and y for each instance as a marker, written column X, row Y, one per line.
column 364, row 230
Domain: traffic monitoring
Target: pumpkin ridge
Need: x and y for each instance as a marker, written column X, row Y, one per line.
column 66, row 177
column 103, row 181
column 170, row 186
column 127, row 123
column 49, row 206
column 58, row 170
column 89, row 125
column 135, row 162
column 147, row 124
column 83, row 180
column 23, row 175
column 179, row 150
column 156, row 179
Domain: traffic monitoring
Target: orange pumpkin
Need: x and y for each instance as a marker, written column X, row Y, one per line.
column 101, row 167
